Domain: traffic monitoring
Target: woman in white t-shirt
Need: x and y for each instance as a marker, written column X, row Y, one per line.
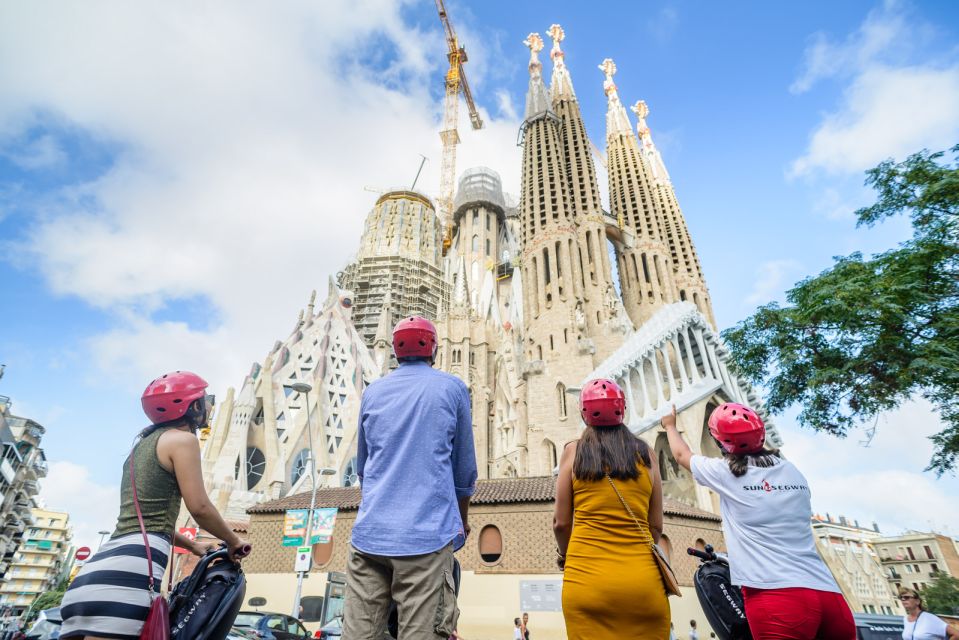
column 765, row 505
column 919, row 624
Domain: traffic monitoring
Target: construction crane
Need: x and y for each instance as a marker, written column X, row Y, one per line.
column 455, row 83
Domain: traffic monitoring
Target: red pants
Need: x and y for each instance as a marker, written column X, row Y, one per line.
column 798, row 614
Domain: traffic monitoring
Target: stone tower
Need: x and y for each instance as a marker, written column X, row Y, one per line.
column 690, row 283
column 399, row 264
column 592, row 273
column 477, row 342
column 645, row 269
column 557, row 343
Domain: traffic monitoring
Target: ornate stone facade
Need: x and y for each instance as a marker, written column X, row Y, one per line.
column 527, row 307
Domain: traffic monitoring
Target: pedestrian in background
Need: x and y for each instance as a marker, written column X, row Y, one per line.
column 788, row 592
column 417, row 466
column 517, row 630
column 612, row 585
column 693, row 634
column 919, row 624
column 525, row 626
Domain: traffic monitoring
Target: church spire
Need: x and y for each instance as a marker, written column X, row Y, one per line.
column 617, row 122
column 537, row 101
column 649, row 149
column 561, row 85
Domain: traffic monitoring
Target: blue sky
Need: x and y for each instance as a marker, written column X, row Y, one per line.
column 173, row 183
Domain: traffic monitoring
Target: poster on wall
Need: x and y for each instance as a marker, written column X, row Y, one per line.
column 294, row 527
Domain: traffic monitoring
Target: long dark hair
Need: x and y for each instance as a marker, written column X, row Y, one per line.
column 612, row 450
column 739, row 463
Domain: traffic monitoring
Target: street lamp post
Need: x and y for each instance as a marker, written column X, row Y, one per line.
column 102, row 534
column 304, row 388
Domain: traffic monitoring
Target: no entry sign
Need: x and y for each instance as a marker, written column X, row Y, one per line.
column 83, row 553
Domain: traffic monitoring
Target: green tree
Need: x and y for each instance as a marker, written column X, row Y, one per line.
column 868, row 333
column 942, row 594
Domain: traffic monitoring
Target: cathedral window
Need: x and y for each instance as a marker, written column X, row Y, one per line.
column 475, row 243
column 546, row 266
column 646, row 270
column 561, row 398
column 489, row 247
column 300, row 464
column 539, row 351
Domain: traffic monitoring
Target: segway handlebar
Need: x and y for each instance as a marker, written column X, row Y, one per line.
column 707, row 555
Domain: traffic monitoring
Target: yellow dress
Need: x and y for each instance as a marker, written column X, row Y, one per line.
column 612, row 588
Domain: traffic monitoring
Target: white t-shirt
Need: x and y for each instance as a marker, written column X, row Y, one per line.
column 926, row 627
column 766, row 522
column 517, row 633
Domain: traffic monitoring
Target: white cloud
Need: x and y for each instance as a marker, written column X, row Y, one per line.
column 44, row 152
column 885, row 33
column 245, row 135
column 93, row 507
column 771, row 281
column 884, row 482
column 898, row 98
column 886, row 112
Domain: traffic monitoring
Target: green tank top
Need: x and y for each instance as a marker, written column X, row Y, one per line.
column 157, row 491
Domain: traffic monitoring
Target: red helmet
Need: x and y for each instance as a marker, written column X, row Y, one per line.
column 169, row 396
column 602, row 403
column 414, row 337
column 737, row 428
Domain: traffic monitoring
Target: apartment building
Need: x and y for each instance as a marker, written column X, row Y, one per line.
column 40, row 563
column 22, row 465
column 912, row 559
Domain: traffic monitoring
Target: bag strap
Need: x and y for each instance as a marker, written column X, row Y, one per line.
column 642, row 529
column 143, row 529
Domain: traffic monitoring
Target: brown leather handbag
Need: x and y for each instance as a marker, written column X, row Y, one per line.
column 669, row 577
column 157, row 624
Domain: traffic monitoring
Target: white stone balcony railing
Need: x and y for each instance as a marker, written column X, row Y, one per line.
column 676, row 358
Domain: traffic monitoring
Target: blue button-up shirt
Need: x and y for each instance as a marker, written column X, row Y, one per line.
column 415, row 459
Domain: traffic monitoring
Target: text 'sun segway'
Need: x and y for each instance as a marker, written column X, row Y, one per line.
column 204, row 606
column 393, row 623
column 721, row 601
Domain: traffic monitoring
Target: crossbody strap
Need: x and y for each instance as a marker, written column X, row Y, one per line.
column 642, row 529
column 143, row 529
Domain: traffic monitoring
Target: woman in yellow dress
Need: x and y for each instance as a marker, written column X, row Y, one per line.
column 612, row 588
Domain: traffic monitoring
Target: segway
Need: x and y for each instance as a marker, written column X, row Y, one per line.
column 393, row 620
column 721, row 601
column 204, row 606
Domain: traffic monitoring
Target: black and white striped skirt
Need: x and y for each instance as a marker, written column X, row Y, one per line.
column 110, row 596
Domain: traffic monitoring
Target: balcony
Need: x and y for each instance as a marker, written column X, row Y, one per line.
column 31, row 487
column 40, row 468
column 7, row 471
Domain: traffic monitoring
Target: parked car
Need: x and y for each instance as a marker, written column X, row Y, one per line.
column 46, row 626
column 332, row 630
column 269, row 626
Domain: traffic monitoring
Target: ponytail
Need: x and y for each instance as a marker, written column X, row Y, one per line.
column 738, row 464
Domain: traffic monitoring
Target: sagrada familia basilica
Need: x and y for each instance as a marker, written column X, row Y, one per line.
column 530, row 301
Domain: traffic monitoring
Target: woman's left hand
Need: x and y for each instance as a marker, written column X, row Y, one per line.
column 203, row 548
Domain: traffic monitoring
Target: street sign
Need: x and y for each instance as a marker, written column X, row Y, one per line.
column 302, row 559
column 82, row 554
column 186, row 532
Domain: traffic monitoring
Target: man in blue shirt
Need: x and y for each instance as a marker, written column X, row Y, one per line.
column 417, row 468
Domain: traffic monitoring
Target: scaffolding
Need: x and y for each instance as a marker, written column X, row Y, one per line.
column 409, row 286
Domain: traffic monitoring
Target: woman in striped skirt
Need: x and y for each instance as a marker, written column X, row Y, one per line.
column 110, row 597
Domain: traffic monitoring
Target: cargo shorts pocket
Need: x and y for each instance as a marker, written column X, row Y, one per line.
column 447, row 613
